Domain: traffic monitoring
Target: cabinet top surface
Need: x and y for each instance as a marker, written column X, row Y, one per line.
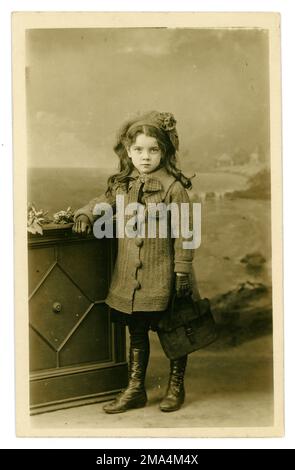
column 55, row 233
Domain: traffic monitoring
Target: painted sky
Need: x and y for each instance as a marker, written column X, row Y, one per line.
column 82, row 84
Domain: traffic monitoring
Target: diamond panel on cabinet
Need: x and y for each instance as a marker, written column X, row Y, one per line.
column 57, row 307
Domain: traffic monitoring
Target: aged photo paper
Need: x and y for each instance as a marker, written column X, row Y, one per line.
column 201, row 96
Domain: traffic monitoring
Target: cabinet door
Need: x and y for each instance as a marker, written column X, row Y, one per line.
column 71, row 338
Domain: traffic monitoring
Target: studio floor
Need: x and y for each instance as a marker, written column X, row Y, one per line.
column 231, row 387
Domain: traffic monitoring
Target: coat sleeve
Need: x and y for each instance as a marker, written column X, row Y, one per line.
column 183, row 257
column 89, row 207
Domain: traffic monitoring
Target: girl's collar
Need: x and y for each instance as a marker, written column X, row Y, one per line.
column 159, row 174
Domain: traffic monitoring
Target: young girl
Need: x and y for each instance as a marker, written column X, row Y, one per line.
column 147, row 269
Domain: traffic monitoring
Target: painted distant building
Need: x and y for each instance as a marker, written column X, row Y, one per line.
column 224, row 160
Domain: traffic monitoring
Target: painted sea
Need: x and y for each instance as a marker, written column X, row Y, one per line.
column 54, row 189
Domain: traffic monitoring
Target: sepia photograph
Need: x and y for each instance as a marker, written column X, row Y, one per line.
column 147, row 207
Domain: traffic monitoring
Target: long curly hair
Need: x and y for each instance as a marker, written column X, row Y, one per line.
column 127, row 136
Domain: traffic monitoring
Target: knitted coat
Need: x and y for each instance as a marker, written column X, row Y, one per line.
column 143, row 275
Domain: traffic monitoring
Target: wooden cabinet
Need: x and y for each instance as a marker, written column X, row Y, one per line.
column 77, row 355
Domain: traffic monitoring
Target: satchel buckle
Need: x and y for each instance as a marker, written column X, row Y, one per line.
column 190, row 334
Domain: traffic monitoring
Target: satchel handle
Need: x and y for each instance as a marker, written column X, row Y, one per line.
column 190, row 300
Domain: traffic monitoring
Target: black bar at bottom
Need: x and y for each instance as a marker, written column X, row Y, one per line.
column 131, row 458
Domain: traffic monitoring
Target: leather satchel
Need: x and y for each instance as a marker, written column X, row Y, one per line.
column 187, row 326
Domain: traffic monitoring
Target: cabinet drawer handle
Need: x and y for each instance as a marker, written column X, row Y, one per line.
column 56, row 307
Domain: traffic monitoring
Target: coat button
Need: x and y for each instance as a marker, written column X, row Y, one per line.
column 137, row 285
column 138, row 264
column 138, row 242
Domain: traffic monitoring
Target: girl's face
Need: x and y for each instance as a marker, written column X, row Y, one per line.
column 145, row 153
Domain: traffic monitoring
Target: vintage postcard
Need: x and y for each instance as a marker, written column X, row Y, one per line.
column 148, row 224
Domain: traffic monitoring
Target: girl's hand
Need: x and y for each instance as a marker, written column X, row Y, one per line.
column 82, row 225
column 183, row 285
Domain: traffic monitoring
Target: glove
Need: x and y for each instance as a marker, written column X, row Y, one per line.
column 183, row 285
column 82, row 225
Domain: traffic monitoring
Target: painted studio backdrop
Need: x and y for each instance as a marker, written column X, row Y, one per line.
column 81, row 85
